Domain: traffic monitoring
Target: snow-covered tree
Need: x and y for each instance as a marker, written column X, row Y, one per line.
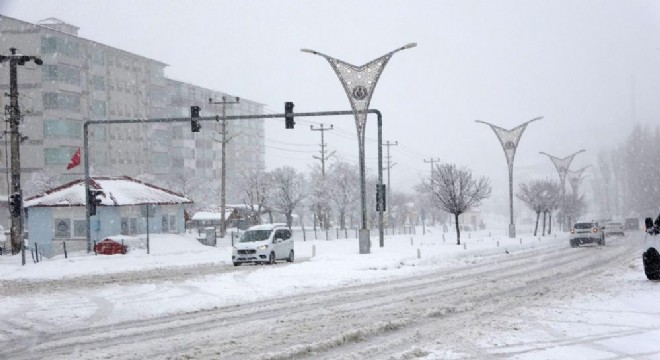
column 541, row 196
column 456, row 191
column 344, row 189
column 255, row 192
column 288, row 190
column 318, row 199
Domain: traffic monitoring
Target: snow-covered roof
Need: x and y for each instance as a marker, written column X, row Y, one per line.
column 118, row 191
column 208, row 215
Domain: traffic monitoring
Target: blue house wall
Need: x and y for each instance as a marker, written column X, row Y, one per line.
column 106, row 222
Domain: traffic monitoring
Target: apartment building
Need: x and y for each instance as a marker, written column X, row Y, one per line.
column 81, row 80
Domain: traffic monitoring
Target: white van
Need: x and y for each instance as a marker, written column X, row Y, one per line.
column 263, row 244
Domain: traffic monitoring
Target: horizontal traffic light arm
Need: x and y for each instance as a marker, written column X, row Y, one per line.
column 218, row 117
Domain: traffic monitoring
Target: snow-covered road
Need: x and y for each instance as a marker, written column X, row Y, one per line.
column 483, row 308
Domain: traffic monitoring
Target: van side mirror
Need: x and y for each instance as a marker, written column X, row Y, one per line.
column 648, row 222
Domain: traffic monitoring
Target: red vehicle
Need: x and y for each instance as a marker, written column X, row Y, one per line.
column 110, row 247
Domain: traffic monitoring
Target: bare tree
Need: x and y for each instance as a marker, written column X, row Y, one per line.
column 287, row 191
column 456, row 191
column 343, row 186
column 255, row 194
column 541, row 196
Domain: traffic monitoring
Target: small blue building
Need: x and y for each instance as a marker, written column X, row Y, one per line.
column 127, row 205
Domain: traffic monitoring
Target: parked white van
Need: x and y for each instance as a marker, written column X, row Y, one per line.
column 263, row 244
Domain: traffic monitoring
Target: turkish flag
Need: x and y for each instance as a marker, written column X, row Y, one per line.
column 75, row 160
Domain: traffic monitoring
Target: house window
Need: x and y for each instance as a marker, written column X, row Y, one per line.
column 172, row 223
column 134, row 226
column 124, row 226
column 62, row 228
column 62, row 101
column 164, row 223
column 79, row 228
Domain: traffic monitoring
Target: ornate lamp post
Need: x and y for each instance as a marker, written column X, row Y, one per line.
column 562, row 165
column 575, row 178
column 359, row 83
column 509, row 140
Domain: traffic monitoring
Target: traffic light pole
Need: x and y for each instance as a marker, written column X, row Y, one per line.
column 287, row 116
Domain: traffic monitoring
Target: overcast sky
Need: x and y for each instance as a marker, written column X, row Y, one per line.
column 590, row 68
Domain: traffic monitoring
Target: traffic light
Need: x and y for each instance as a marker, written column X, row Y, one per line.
column 15, row 205
column 194, row 115
column 288, row 115
column 380, row 197
column 93, row 200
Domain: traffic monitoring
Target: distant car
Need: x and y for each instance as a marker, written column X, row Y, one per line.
column 586, row 232
column 613, row 228
column 632, row 224
column 263, row 244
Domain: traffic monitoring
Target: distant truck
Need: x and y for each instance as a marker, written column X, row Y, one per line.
column 631, row 224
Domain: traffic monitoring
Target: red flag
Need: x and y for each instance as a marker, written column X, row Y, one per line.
column 75, row 160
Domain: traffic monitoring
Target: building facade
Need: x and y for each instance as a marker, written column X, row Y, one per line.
column 82, row 80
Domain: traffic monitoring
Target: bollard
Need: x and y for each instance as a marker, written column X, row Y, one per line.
column 464, row 246
column 345, row 233
column 64, row 246
column 326, row 235
column 520, row 241
column 304, row 235
column 498, row 243
column 95, row 253
column 419, row 253
column 337, row 234
column 313, row 250
column 411, row 241
column 123, row 248
column 443, row 237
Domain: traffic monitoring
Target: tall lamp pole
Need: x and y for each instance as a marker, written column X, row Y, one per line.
column 16, row 196
column 509, row 140
column 575, row 178
column 562, row 165
column 223, row 171
column 359, row 83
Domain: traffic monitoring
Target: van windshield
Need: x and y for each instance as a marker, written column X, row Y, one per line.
column 255, row 235
column 584, row 225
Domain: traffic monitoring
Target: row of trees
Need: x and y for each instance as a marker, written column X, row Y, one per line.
column 626, row 181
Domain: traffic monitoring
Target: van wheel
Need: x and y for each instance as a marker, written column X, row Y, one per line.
column 237, row 264
column 271, row 258
column 290, row 259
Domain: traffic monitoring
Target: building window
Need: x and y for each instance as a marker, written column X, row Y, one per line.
column 98, row 57
column 62, row 228
column 98, row 109
column 58, row 156
column 64, row 101
column 61, row 128
column 64, row 46
column 99, row 83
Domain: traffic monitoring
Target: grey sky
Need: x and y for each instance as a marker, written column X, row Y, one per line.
column 591, row 68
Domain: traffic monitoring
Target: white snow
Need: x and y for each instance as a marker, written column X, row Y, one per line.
column 619, row 320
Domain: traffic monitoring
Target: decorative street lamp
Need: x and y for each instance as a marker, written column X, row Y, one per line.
column 509, row 140
column 575, row 178
column 359, row 83
column 562, row 166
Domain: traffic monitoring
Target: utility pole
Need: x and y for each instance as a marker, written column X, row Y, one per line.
column 16, row 196
column 389, row 188
column 223, row 171
column 432, row 161
column 323, row 158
